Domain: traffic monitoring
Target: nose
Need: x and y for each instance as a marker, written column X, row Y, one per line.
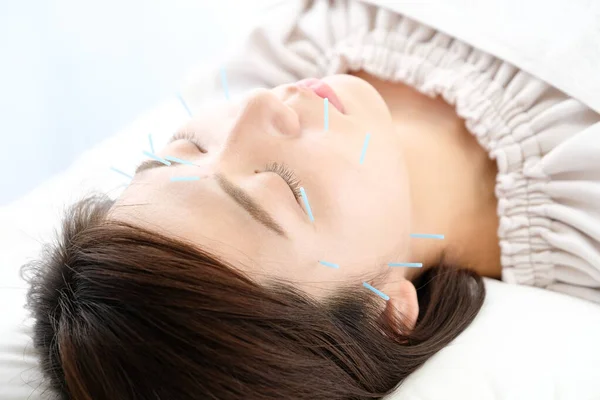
column 265, row 110
column 260, row 130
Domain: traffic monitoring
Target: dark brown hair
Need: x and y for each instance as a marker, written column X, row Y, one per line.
column 125, row 313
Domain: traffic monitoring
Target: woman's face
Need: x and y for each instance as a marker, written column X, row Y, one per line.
column 243, row 210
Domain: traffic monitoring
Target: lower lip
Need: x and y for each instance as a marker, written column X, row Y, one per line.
column 322, row 90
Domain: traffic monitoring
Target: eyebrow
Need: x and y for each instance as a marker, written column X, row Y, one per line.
column 148, row 164
column 239, row 195
column 254, row 209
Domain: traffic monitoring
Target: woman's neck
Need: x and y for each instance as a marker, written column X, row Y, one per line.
column 451, row 180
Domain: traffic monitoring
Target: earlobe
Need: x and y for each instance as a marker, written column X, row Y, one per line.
column 403, row 305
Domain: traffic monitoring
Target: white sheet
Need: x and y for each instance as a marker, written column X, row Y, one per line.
column 526, row 343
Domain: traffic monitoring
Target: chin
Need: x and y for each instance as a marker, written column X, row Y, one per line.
column 358, row 96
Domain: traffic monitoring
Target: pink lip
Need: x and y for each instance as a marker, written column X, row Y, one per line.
column 322, row 90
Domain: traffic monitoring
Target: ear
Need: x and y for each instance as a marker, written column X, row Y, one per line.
column 403, row 304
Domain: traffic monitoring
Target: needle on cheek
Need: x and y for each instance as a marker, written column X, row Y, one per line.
column 328, row 264
column 306, row 204
column 364, row 149
column 411, row 265
column 426, row 236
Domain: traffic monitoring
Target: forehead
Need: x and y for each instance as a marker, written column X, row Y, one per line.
column 196, row 211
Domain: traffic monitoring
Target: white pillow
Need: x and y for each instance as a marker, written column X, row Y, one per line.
column 526, row 343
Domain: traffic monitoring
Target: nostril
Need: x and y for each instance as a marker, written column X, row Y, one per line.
column 287, row 122
column 292, row 89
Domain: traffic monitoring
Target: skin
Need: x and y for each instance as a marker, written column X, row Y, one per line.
column 423, row 172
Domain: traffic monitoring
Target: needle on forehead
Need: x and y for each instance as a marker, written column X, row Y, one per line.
column 377, row 292
column 121, row 172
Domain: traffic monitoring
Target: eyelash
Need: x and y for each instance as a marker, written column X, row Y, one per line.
column 280, row 169
column 288, row 175
column 190, row 137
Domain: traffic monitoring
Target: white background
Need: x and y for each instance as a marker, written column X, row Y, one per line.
column 73, row 72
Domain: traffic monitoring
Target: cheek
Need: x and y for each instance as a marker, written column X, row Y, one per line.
column 371, row 212
column 382, row 205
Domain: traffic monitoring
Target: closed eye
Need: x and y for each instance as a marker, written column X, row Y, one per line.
column 190, row 137
column 288, row 176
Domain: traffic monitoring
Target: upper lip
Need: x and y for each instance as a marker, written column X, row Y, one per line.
column 322, row 90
